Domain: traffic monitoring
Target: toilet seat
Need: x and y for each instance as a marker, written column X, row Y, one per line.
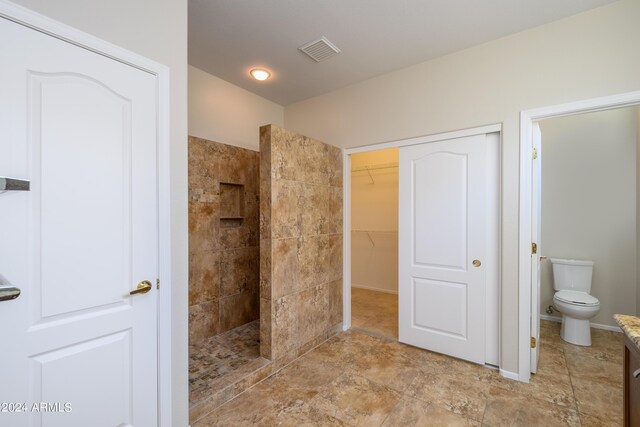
column 577, row 298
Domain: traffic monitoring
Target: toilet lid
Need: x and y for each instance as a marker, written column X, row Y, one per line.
column 577, row 297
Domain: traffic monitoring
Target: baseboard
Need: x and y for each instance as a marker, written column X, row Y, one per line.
column 510, row 375
column 370, row 288
column 593, row 325
column 551, row 318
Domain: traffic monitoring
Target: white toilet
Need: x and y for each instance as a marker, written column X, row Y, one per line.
column 572, row 282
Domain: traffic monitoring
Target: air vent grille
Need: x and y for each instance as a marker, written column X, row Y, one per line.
column 320, row 49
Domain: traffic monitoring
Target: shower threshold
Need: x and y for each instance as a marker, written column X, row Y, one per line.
column 223, row 367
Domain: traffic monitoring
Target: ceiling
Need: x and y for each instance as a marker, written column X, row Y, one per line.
column 229, row 37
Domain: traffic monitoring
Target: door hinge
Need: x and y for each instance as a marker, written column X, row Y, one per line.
column 534, row 248
column 157, row 283
column 534, row 153
column 533, row 342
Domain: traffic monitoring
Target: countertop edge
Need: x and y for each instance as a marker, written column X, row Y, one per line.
column 630, row 325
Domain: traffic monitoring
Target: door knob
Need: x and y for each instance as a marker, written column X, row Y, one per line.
column 542, row 257
column 476, row 263
column 143, row 288
column 10, row 184
column 7, row 290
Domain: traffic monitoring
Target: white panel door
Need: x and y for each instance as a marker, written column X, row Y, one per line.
column 82, row 128
column 442, row 230
column 536, row 233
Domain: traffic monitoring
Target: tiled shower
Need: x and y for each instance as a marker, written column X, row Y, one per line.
column 265, row 259
column 224, row 262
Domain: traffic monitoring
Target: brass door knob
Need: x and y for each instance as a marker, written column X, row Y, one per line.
column 143, row 288
column 476, row 263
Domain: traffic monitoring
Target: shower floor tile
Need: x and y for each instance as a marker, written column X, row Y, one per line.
column 243, row 340
column 212, row 363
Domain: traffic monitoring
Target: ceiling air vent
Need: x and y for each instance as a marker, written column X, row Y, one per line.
column 320, row 49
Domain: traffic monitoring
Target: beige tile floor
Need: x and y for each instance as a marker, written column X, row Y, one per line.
column 376, row 312
column 355, row 379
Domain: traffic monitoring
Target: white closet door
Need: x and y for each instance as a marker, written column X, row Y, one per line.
column 442, row 245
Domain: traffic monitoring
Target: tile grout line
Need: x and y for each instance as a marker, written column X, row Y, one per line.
column 374, row 334
column 573, row 391
column 392, row 409
column 428, row 402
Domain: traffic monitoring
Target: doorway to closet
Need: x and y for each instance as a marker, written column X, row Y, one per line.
column 422, row 217
column 374, row 237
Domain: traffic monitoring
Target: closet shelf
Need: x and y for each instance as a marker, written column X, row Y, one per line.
column 374, row 231
column 375, row 167
column 368, row 169
column 369, row 232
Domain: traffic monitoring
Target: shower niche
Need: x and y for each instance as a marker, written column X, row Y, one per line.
column 231, row 204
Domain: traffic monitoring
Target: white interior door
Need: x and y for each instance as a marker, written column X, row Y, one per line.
column 442, row 245
column 82, row 128
column 536, row 234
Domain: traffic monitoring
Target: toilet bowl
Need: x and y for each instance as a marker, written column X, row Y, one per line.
column 572, row 282
column 576, row 315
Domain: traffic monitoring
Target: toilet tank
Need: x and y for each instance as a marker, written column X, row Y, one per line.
column 572, row 274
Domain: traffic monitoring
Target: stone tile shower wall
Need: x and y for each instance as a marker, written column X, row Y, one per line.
column 301, row 242
column 223, row 238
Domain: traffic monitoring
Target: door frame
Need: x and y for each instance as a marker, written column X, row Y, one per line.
column 346, row 204
column 43, row 24
column 527, row 118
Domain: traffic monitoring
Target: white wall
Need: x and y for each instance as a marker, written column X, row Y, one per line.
column 589, row 204
column 222, row 112
column 585, row 56
column 156, row 29
column 374, row 221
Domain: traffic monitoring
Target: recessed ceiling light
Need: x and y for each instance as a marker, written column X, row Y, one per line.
column 260, row 74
